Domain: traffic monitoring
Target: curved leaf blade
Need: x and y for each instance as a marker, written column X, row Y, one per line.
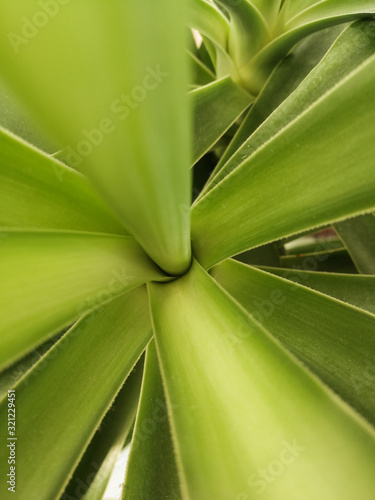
column 216, row 359
column 54, row 421
column 335, row 340
column 94, row 470
column 286, row 77
column 306, row 154
column 358, row 236
column 216, row 107
column 152, row 470
column 134, row 142
column 354, row 289
column 48, row 280
column 39, row 192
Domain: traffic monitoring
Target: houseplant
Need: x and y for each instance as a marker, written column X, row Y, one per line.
column 257, row 381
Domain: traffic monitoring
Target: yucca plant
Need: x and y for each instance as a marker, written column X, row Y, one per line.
column 254, row 304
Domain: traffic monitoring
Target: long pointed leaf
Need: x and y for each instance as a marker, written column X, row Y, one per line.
column 239, row 401
column 355, row 289
column 248, row 30
column 151, row 470
column 350, row 50
column 60, row 409
column 216, row 107
column 330, row 9
column 286, row 77
column 260, row 67
column 91, row 477
column 209, row 21
column 128, row 130
column 335, row 340
column 300, row 179
column 48, row 280
column 358, row 235
column 37, row 191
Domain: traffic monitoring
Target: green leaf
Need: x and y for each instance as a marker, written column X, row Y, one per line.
column 335, row 340
column 15, row 119
column 39, row 192
column 151, row 470
column 239, row 401
column 291, row 8
column 48, row 280
column 216, row 107
column 355, row 289
column 200, row 74
column 269, row 9
column 337, row 261
column 348, row 52
column 256, row 72
column 127, row 130
column 266, row 255
column 248, row 30
column 58, row 411
column 358, row 235
column 11, row 375
column 344, row 9
column 300, row 179
column 206, row 18
column 286, row 77
column 91, row 477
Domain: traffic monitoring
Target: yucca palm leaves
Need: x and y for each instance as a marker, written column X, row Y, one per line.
column 252, row 384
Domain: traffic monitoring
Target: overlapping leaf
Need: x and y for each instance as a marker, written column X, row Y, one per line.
column 152, row 470
column 50, row 279
column 127, row 130
column 335, row 340
column 38, row 192
column 300, row 179
column 60, row 409
column 239, row 401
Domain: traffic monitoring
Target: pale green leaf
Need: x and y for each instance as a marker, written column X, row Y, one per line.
column 286, row 77
column 316, row 170
column 336, row 261
column 248, row 30
column 209, row 21
column 59, row 410
column 94, row 470
column 37, row 191
column 269, row 9
column 293, row 7
column 358, row 235
column 239, row 402
column 50, row 279
column 256, row 72
column 127, row 130
column 11, row 375
column 355, row 289
column 330, row 9
column 151, row 470
column 15, row 119
column 350, row 50
column 216, row 107
column 335, row 340
column 199, row 73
